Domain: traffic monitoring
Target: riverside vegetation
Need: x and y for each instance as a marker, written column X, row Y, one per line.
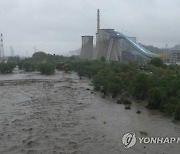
column 155, row 82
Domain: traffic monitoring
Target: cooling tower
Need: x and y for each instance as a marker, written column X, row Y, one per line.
column 87, row 48
column 106, row 45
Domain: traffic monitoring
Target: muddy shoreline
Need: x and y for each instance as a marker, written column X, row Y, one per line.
column 57, row 114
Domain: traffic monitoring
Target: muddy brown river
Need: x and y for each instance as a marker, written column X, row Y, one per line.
column 61, row 114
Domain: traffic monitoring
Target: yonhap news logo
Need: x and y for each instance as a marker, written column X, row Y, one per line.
column 129, row 140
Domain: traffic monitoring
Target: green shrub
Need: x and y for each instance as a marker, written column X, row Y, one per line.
column 67, row 67
column 154, row 98
column 12, row 64
column 126, row 94
column 20, row 65
column 39, row 56
column 7, row 67
column 140, row 86
column 60, row 66
column 169, row 109
column 177, row 112
column 46, row 68
column 156, row 62
column 127, row 102
column 124, row 101
column 119, row 101
column 28, row 66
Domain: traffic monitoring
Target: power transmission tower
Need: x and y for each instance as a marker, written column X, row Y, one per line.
column 1, row 48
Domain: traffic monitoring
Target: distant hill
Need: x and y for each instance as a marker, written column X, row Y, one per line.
column 75, row 52
column 153, row 49
column 148, row 47
column 176, row 47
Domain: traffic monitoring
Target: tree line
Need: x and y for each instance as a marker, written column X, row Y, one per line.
column 155, row 82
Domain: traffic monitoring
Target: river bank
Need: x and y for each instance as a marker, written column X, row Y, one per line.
column 62, row 114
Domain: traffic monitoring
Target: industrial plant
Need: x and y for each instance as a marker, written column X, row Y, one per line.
column 112, row 45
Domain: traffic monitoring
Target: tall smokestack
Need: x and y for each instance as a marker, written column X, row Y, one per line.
column 98, row 20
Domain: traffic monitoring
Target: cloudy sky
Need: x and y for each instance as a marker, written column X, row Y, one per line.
column 56, row 26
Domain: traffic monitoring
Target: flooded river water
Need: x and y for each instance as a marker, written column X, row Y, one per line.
column 61, row 114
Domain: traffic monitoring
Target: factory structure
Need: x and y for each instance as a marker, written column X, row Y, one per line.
column 113, row 46
column 87, row 49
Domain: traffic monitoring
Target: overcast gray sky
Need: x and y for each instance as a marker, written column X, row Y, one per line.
column 56, row 26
